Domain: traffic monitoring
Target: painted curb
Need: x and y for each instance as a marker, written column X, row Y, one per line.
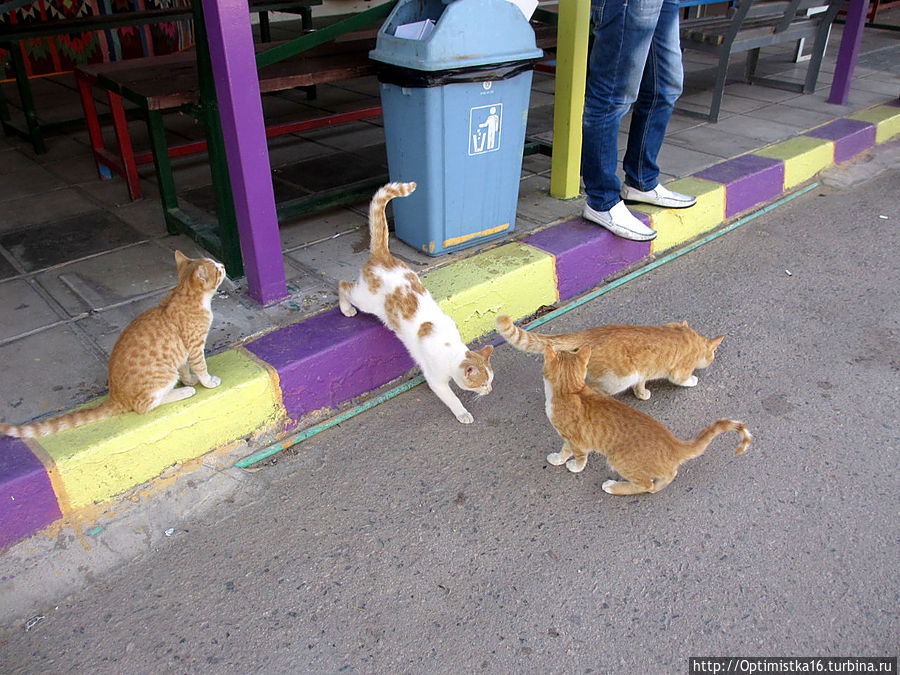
column 584, row 252
column 475, row 290
column 325, row 361
column 803, row 158
column 98, row 461
column 886, row 119
column 27, row 499
column 850, row 137
column 330, row 358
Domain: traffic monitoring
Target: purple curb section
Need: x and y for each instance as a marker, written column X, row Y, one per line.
column 330, row 358
column 850, row 137
column 586, row 254
column 27, row 500
column 749, row 180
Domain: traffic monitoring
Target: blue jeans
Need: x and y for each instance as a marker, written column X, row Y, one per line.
column 636, row 59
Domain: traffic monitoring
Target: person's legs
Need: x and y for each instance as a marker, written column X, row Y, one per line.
column 660, row 87
column 622, row 37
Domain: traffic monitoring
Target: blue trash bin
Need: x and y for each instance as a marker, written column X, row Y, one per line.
column 455, row 105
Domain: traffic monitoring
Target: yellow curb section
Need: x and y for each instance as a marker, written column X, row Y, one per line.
column 513, row 279
column 803, row 157
column 98, row 461
column 676, row 226
column 885, row 118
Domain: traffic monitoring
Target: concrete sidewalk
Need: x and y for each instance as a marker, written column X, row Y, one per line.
column 79, row 263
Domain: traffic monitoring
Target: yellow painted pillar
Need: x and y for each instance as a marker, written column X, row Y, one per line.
column 568, row 104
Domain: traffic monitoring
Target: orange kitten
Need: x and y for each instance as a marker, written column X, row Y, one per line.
column 161, row 346
column 627, row 356
column 393, row 292
column 639, row 448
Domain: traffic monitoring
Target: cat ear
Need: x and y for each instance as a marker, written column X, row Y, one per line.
column 486, row 351
column 584, row 353
column 715, row 342
column 180, row 259
column 549, row 354
column 684, row 323
column 200, row 274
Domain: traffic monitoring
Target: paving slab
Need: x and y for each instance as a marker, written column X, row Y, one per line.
column 110, row 278
column 47, row 372
column 40, row 246
column 53, row 205
column 533, row 207
column 714, row 141
column 26, row 178
column 797, row 118
column 24, row 309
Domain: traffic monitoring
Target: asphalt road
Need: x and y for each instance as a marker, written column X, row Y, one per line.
column 401, row 541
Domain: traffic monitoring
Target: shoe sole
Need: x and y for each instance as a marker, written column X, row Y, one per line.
column 676, row 205
column 621, row 231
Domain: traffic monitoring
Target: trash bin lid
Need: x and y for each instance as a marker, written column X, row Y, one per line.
column 466, row 33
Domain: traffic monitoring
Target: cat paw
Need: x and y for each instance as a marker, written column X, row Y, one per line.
column 348, row 311
column 189, row 380
column 465, row 417
column 211, row 382
column 690, row 382
column 607, row 486
column 555, row 459
column 573, row 466
column 642, row 395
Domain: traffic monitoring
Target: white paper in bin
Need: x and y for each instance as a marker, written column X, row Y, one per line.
column 419, row 30
column 527, row 7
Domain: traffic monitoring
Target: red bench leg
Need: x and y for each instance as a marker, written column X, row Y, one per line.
column 120, row 124
column 93, row 122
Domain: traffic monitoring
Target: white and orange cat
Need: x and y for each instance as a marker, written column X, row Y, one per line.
column 626, row 356
column 393, row 292
column 640, row 449
column 156, row 350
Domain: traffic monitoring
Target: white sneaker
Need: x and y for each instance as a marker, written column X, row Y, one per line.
column 658, row 196
column 620, row 221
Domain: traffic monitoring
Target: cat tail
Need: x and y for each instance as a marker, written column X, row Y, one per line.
column 525, row 340
column 378, row 228
column 68, row 421
column 704, row 438
column 520, row 338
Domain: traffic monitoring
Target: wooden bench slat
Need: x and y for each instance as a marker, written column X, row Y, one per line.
column 159, row 83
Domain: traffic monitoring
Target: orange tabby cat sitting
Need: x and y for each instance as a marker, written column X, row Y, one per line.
column 639, row 448
column 627, row 356
column 161, row 346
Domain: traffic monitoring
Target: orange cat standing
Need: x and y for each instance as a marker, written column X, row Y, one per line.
column 639, row 448
column 156, row 350
column 627, row 356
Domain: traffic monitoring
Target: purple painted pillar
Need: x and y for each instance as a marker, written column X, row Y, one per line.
column 240, row 107
column 849, row 51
